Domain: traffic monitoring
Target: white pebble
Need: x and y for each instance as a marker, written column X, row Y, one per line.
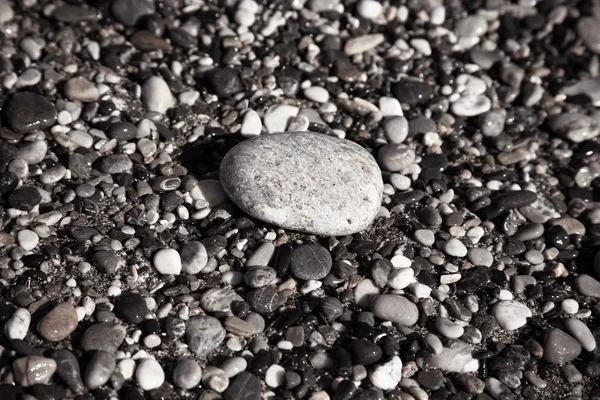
column 149, row 374
column 275, row 376
column 167, row 262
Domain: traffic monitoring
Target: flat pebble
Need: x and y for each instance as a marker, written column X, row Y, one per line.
column 301, row 200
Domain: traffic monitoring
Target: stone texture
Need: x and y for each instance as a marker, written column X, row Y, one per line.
column 305, row 182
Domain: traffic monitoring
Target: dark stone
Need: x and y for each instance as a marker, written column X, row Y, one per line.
column 131, row 307
column 26, row 111
column 224, row 82
column 24, row 198
column 310, row 261
column 364, row 352
column 245, row 386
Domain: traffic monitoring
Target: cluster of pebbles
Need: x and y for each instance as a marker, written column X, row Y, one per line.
column 436, row 236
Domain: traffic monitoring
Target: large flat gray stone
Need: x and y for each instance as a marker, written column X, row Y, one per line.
column 304, row 181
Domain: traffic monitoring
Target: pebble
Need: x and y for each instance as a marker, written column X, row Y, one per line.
column 167, row 262
column 559, row 347
column 275, row 376
column 386, row 376
column 479, row 256
column 580, row 331
column 320, row 206
column 471, row 105
column 99, row 369
column 455, row 248
column 400, row 278
column 589, row 32
column 492, row 122
column 80, row 89
column 204, row 334
column 68, row 369
column 6, row 12
column 448, row 328
column 587, row 286
column 245, row 385
column 251, row 124
column 27, row 111
column 18, row 324
column 27, row 239
column 472, row 25
column 277, row 117
column 575, row 127
column 149, row 374
column 369, row 9
column 219, row 300
column 103, row 336
column 187, row 374
column 433, row 344
column 310, row 261
column 129, row 12
column 452, row 359
column 193, row 258
column 210, row 191
column 395, row 308
column 395, row 157
column 363, row 43
column 33, row 153
column 131, row 307
column 156, row 95
column 262, row 256
column 395, row 129
column 317, row 94
column 59, row 323
column 425, row 237
column 510, row 314
column 515, row 199
column 33, row 370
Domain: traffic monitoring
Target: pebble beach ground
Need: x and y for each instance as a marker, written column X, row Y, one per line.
column 435, row 236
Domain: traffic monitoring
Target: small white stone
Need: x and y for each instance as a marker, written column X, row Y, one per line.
column 390, row 107
column 17, row 325
column 251, row 124
column 126, row 367
column 363, row 43
column 400, row 261
column 317, row 94
column 189, row 97
column 149, row 374
column 400, row 278
column 455, row 248
column 156, row 95
column 510, row 314
column 277, row 117
column 209, row 190
column 369, row 9
column 364, row 292
column 27, row 239
column 275, row 376
column 421, row 291
column 471, row 105
column 167, row 262
column 215, row 379
column 387, row 376
column 570, row 306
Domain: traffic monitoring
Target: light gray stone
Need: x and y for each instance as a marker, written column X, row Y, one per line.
column 306, row 182
column 204, row 334
column 395, row 308
column 456, row 358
